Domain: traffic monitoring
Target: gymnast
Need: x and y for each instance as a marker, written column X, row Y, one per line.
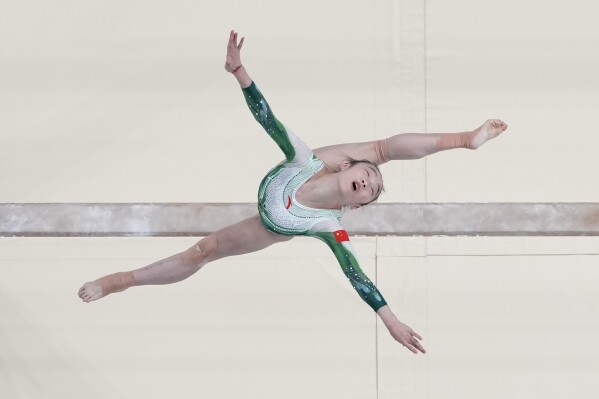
column 303, row 195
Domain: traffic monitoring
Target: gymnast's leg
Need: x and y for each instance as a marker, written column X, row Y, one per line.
column 411, row 145
column 246, row 236
column 414, row 145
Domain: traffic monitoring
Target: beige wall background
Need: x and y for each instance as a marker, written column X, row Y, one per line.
column 106, row 101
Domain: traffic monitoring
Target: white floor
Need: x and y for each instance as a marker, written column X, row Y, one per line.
column 501, row 317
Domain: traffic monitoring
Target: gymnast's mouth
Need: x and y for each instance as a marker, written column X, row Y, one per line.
column 354, row 186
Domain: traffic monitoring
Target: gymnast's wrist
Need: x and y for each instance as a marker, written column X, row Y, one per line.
column 386, row 315
column 235, row 70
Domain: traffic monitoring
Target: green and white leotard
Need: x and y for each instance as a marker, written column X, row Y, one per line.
column 282, row 214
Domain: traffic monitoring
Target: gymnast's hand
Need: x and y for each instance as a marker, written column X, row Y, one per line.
column 406, row 336
column 233, row 57
column 401, row 332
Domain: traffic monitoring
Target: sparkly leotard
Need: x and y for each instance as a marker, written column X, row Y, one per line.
column 282, row 214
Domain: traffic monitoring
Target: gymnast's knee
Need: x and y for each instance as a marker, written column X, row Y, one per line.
column 200, row 252
column 381, row 150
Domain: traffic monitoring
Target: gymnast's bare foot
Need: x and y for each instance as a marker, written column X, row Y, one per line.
column 106, row 285
column 489, row 130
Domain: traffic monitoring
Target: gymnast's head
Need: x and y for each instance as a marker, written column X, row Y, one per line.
column 360, row 182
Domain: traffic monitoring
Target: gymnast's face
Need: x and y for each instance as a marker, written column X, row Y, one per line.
column 360, row 183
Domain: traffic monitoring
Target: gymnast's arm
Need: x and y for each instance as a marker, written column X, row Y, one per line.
column 337, row 239
column 295, row 150
column 332, row 234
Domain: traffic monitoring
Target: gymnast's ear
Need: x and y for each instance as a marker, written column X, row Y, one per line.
column 345, row 164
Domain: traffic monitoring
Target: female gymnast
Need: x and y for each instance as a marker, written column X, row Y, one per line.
column 303, row 195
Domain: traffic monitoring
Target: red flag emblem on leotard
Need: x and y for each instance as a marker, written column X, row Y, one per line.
column 288, row 202
column 341, row 235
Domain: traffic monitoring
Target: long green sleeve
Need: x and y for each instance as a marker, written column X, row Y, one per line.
column 263, row 114
column 365, row 288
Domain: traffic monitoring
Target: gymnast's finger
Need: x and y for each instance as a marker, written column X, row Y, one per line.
column 417, row 345
column 241, row 43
